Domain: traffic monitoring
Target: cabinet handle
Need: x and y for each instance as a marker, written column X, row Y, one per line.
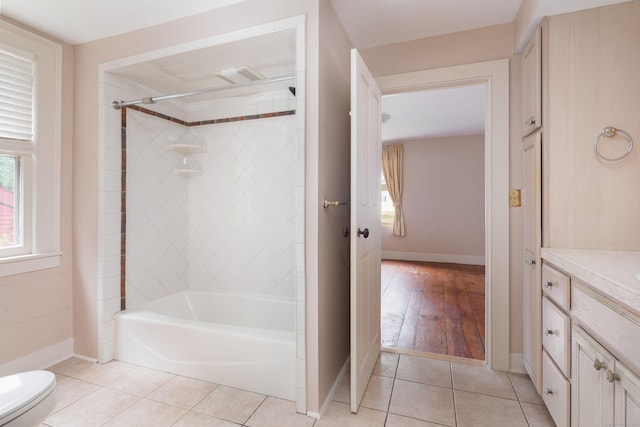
column 597, row 365
column 549, row 332
column 530, row 261
column 611, row 377
column 548, row 391
column 547, row 284
column 531, row 122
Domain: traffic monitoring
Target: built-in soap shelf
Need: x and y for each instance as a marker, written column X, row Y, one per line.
column 187, row 172
column 187, row 169
column 187, row 148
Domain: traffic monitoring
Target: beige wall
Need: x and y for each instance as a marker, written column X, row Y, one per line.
column 466, row 47
column 333, row 184
column 463, row 48
column 36, row 308
column 443, row 200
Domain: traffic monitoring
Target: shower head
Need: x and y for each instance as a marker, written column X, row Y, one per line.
column 292, row 89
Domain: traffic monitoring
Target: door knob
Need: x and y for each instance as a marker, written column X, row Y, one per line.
column 364, row 233
column 611, row 377
column 597, row 365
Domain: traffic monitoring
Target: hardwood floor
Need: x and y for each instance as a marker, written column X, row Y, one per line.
column 433, row 307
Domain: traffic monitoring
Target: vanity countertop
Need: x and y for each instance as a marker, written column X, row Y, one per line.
column 615, row 274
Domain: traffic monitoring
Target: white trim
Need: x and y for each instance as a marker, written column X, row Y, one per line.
column 41, row 193
column 27, row 263
column 517, row 363
column 40, row 359
column 495, row 74
column 85, row 358
column 428, row 257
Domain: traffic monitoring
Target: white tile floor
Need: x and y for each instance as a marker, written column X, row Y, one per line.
column 404, row 391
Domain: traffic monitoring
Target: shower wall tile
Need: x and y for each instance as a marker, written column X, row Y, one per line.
column 156, row 241
column 262, row 103
column 242, row 209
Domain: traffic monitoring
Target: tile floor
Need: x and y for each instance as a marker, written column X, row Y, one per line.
column 405, row 391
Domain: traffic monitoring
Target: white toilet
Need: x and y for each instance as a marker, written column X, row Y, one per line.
column 26, row 398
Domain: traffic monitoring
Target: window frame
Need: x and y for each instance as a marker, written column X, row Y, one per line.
column 40, row 162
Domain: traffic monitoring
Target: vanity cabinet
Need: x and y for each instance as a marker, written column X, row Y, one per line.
column 578, row 76
column 591, row 337
column 556, row 344
column 532, row 84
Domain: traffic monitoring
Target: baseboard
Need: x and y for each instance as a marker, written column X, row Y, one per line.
column 428, row 257
column 516, row 363
column 332, row 392
column 40, row 359
column 85, row 358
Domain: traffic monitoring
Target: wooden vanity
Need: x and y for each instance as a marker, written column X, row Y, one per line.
column 591, row 337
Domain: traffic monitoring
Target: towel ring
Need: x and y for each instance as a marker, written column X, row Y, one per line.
column 610, row 132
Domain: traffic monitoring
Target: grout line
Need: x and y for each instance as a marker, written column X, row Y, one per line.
column 518, row 399
column 453, row 395
column 256, row 410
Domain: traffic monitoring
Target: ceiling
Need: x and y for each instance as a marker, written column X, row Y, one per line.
column 270, row 55
column 368, row 23
column 434, row 113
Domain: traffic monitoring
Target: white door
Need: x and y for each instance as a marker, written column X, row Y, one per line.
column 366, row 156
column 532, row 292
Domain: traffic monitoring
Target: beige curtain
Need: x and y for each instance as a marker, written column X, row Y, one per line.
column 392, row 170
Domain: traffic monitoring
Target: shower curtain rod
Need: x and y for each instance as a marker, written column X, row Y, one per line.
column 152, row 100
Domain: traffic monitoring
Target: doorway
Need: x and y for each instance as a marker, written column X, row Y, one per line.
column 433, row 269
column 495, row 75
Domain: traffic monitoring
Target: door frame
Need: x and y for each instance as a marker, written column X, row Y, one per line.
column 495, row 74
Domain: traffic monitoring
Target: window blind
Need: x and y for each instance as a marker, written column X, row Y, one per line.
column 16, row 96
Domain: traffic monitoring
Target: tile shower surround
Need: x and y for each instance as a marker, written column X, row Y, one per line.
column 123, row 220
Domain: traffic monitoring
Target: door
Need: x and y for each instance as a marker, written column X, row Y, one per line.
column 532, row 292
column 366, row 156
column 591, row 393
column 532, row 84
column 627, row 398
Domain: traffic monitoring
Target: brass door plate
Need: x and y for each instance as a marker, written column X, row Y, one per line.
column 515, row 200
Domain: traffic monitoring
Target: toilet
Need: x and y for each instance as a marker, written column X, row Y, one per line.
column 26, row 398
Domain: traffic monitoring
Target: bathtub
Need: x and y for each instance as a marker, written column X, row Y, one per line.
column 236, row 340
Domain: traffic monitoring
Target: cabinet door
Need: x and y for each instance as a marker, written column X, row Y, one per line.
column 531, row 281
column 592, row 82
column 591, row 392
column 532, row 84
column 627, row 397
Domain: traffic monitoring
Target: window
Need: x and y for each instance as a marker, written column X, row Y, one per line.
column 386, row 205
column 30, row 112
column 10, row 211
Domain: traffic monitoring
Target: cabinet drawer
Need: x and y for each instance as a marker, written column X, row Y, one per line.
column 556, row 335
column 556, row 285
column 555, row 391
column 613, row 326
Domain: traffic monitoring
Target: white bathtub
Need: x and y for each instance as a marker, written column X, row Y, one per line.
column 236, row 340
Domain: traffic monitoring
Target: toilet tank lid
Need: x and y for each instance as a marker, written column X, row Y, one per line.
column 20, row 390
